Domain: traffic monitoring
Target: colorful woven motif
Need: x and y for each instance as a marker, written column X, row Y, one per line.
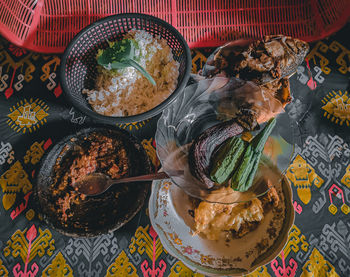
column 31, row 107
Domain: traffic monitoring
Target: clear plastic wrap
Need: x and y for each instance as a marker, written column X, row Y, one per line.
column 206, row 103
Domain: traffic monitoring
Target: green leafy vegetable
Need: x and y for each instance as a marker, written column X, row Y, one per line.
column 243, row 177
column 121, row 54
column 226, row 159
column 238, row 160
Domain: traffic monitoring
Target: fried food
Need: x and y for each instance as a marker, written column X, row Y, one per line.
column 268, row 63
column 261, row 61
column 229, row 221
column 215, row 220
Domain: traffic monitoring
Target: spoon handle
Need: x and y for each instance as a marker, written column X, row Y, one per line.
column 148, row 177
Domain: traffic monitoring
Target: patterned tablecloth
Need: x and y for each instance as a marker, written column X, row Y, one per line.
column 33, row 116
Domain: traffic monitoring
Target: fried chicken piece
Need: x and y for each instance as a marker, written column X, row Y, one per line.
column 261, row 61
column 214, row 219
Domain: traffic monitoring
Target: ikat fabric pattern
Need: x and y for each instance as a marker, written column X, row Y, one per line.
column 33, row 114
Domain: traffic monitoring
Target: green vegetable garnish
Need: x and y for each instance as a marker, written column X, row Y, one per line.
column 239, row 161
column 242, row 179
column 119, row 55
column 227, row 159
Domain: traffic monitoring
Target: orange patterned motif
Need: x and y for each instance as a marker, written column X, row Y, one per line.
column 3, row 271
column 345, row 209
column 259, row 272
column 346, row 178
column 316, row 52
column 30, row 214
column 296, row 242
column 17, row 245
column 58, row 267
column 23, row 65
column 180, row 270
column 197, row 57
column 121, row 267
column 337, row 107
column 49, row 73
column 317, row 266
column 49, row 67
column 13, row 181
column 26, row 115
column 151, row 151
column 335, row 46
column 34, row 153
column 133, row 125
column 332, row 209
column 303, row 176
column 142, row 242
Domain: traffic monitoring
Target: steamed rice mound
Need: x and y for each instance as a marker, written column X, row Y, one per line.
column 126, row 92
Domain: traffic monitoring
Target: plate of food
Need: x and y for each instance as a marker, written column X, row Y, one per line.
column 222, row 138
column 218, row 239
column 96, row 149
column 125, row 68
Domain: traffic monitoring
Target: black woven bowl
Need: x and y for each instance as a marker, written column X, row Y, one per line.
column 79, row 65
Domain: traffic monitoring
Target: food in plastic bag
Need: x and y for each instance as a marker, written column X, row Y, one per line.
column 261, row 61
column 257, row 89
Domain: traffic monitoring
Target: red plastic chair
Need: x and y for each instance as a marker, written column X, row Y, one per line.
column 48, row 25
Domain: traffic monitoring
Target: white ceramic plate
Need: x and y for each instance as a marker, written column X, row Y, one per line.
column 168, row 207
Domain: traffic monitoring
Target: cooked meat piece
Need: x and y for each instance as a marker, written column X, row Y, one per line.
column 215, row 220
column 272, row 195
column 271, row 198
column 211, row 219
column 262, row 61
column 246, row 227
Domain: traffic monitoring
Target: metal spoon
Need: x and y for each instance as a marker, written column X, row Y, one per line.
column 97, row 183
